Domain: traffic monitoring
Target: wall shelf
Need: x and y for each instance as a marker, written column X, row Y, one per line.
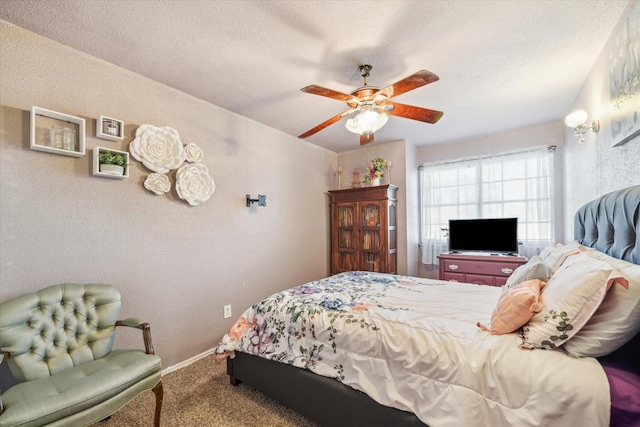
column 96, row 163
column 68, row 141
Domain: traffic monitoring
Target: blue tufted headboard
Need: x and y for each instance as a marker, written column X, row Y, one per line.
column 611, row 224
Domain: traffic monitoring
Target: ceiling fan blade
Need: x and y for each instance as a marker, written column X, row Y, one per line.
column 366, row 139
column 329, row 93
column 327, row 123
column 421, row 78
column 411, row 112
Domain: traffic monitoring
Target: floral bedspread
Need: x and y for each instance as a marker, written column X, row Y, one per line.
column 413, row 344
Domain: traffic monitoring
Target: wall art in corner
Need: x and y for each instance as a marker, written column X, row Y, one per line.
column 624, row 81
column 109, row 128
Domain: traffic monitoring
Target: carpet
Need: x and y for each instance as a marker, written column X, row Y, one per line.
column 200, row 395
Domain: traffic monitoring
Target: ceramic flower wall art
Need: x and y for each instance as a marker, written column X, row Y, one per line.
column 194, row 153
column 194, row 184
column 157, row 183
column 158, row 148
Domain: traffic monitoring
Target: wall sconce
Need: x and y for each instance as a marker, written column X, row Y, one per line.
column 261, row 200
column 577, row 120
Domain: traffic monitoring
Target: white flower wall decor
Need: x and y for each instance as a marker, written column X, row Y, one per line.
column 160, row 150
column 157, row 183
column 194, row 184
column 194, row 153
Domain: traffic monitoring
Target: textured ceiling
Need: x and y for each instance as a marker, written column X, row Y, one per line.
column 502, row 64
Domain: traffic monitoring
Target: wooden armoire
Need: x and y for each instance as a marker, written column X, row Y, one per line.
column 364, row 229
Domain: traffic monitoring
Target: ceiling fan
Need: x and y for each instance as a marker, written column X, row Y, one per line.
column 373, row 105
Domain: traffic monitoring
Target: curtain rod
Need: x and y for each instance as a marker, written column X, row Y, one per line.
column 549, row 148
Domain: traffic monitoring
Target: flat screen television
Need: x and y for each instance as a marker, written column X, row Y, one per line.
column 498, row 235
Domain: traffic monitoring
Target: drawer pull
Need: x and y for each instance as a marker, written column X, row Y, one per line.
column 453, row 280
column 507, row 270
column 452, row 267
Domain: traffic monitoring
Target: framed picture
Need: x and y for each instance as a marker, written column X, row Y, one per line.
column 56, row 133
column 624, row 81
column 109, row 128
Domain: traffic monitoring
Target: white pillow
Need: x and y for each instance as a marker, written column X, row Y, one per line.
column 535, row 268
column 554, row 255
column 574, row 292
column 617, row 320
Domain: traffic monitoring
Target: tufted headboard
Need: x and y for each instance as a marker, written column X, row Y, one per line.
column 611, row 224
column 58, row 327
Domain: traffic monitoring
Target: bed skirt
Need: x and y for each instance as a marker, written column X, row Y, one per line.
column 323, row 400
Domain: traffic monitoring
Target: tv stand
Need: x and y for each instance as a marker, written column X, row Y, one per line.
column 483, row 268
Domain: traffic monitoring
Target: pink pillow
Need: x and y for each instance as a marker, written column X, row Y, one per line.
column 515, row 307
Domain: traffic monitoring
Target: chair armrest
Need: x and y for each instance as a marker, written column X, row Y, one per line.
column 134, row 322
column 3, row 355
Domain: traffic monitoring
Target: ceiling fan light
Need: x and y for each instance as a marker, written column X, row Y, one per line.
column 366, row 122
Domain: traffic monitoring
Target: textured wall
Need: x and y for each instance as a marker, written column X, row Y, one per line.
column 596, row 167
column 175, row 265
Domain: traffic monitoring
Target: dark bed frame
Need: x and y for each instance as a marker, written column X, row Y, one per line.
column 610, row 223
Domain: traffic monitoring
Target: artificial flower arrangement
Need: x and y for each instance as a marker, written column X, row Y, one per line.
column 375, row 169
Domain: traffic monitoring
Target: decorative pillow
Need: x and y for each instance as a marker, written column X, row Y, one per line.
column 554, row 255
column 574, row 292
column 535, row 268
column 515, row 307
column 617, row 319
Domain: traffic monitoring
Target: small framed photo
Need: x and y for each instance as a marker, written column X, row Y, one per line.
column 111, row 129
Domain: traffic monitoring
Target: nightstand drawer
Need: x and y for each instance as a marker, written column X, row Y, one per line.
column 484, row 269
column 500, row 268
column 454, row 277
column 481, row 280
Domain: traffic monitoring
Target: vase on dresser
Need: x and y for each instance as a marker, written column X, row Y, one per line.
column 375, row 182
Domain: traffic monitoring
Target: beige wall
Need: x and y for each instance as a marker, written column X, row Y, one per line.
column 596, row 167
column 176, row 265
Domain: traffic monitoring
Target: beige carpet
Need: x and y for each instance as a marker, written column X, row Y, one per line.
column 200, row 395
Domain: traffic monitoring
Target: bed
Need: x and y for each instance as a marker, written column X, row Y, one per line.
column 362, row 348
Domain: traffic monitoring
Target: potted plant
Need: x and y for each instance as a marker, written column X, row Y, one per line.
column 375, row 171
column 112, row 163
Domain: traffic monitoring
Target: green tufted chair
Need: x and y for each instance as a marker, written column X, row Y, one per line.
column 58, row 343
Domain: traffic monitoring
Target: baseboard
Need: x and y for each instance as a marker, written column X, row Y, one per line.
column 187, row 362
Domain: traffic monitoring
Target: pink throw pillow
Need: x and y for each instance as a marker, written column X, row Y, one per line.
column 515, row 307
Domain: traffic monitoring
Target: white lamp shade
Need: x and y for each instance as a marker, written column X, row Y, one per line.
column 575, row 119
column 366, row 122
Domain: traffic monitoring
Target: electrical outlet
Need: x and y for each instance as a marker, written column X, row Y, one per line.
column 227, row 311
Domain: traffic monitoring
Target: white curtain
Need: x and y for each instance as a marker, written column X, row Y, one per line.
column 446, row 189
column 510, row 184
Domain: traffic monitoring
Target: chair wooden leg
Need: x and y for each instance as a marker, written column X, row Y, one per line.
column 159, row 392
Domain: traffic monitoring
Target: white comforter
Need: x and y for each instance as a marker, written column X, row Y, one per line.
column 413, row 344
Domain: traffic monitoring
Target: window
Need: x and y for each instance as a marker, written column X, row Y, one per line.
column 506, row 185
